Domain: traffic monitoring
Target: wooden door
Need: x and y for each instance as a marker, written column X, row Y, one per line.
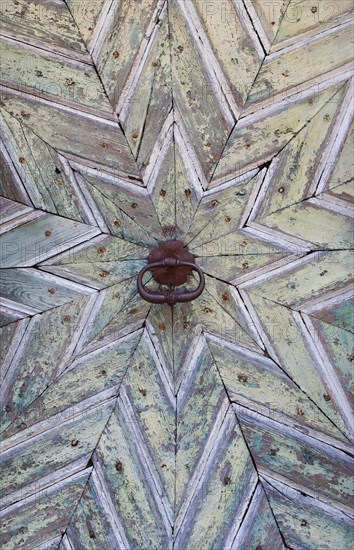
column 224, row 423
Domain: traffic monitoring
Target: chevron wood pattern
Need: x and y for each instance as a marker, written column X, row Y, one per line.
column 221, row 424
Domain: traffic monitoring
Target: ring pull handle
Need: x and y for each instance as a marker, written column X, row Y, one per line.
column 170, row 297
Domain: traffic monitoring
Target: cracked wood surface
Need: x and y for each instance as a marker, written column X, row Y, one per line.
column 226, row 422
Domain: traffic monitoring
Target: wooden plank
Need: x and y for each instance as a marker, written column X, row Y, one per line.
column 131, row 199
column 99, row 142
column 339, row 314
column 121, row 467
column 55, row 449
column 53, row 75
column 194, row 96
column 49, row 340
column 10, row 337
column 298, row 167
column 306, row 18
column 234, row 269
column 46, row 24
column 46, row 515
column 90, row 526
column 343, row 168
column 10, row 209
column 343, row 192
column 188, row 188
column 115, row 220
column 299, row 461
column 89, row 375
column 97, row 275
column 46, row 175
column 152, row 406
column 201, row 407
column 290, row 221
column 248, row 379
column 291, row 350
column 86, row 16
column 306, row 279
column 162, row 188
column 228, row 298
column 101, row 262
column 259, row 527
column 209, row 315
column 104, row 248
column 258, row 138
column 35, row 239
column 159, row 325
column 127, row 23
column 338, row 344
column 233, row 42
column 285, row 71
column 306, row 524
column 239, row 243
column 11, row 185
column 130, row 318
column 147, row 97
column 108, row 306
column 219, row 212
column 33, row 291
column 267, row 18
column 223, row 494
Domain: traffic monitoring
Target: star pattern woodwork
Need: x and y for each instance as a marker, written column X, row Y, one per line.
column 225, row 423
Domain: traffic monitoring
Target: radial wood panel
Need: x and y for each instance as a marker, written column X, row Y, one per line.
column 222, row 423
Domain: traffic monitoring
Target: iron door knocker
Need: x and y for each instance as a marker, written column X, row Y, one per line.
column 171, row 264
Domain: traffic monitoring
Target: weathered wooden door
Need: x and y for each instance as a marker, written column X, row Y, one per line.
column 224, row 423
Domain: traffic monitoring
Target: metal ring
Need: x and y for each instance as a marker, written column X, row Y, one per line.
column 170, row 297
